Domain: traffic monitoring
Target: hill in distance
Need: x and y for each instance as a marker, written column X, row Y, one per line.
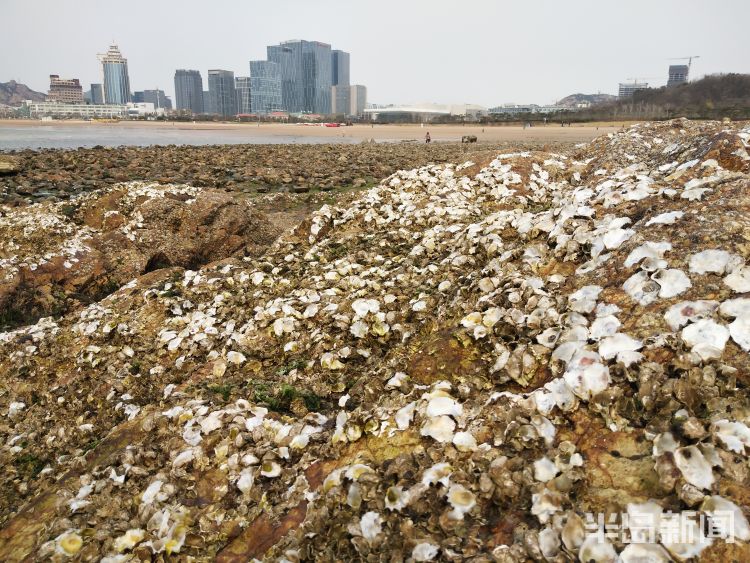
column 711, row 97
column 14, row 93
column 574, row 99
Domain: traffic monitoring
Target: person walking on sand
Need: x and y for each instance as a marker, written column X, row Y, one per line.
column 427, row 138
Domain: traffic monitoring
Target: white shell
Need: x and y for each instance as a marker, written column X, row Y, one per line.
column 671, row 282
column 461, row 499
column 680, row 314
column 586, row 375
column 694, row 467
column 545, row 469
column 129, row 539
column 549, row 542
column 439, row 428
column 647, row 250
column 644, row 553
column 370, row 525
column 706, row 338
column 713, row 261
column 438, row 473
column 641, row 288
column 592, row 549
column 584, row 300
column 734, row 435
column 739, row 280
column 444, row 405
column 643, row 521
column 464, row 442
column 724, row 513
column 424, row 552
column 740, row 331
column 687, row 529
column 245, row 481
column 616, row 344
column 735, row 307
column 668, row 218
column 235, row 358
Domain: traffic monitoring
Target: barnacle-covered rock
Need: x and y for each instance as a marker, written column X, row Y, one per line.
column 464, row 362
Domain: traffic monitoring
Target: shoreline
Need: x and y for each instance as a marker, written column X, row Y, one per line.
column 359, row 132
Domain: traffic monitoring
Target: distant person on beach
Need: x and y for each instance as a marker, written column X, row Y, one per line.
column 427, row 138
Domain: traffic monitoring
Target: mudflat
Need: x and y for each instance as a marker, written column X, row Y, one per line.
column 359, row 132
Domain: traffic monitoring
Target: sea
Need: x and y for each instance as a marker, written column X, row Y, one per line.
column 54, row 136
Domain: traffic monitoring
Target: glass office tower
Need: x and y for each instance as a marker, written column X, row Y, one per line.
column 265, row 87
column 116, row 83
column 222, row 93
column 188, row 89
column 306, row 75
column 242, row 88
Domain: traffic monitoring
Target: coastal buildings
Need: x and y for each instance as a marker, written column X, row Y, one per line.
column 678, row 74
column 221, row 92
column 58, row 109
column 64, row 90
column 340, row 91
column 265, row 87
column 358, row 99
column 242, row 90
column 156, row 97
column 207, row 106
column 116, row 81
column 518, row 109
column 627, row 89
column 188, row 89
column 97, row 94
column 306, row 75
column 341, row 100
column 423, row 112
column 339, row 68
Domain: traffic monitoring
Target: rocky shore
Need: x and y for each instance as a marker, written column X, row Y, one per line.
column 58, row 174
column 484, row 360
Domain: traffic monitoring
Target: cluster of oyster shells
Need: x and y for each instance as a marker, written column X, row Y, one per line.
column 467, row 363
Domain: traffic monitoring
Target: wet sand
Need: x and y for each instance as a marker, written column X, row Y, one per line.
column 274, row 132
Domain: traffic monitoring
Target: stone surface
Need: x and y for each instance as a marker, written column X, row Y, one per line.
column 452, row 297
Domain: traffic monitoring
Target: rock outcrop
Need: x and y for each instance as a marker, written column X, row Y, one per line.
column 59, row 174
column 56, row 256
column 9, row 165
column 486, row 362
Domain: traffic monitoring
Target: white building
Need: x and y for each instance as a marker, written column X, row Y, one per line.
column 58, row 109
column 143, row 109
column 357, row 99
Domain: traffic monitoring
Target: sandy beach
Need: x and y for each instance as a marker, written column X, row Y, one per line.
column 411, row 132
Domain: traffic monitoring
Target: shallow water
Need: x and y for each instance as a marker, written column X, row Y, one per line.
column 74, row 136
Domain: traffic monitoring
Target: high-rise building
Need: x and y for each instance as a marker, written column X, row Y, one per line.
column 265, row 87
column 306, row 76
column 339, row 68
column 358, row 99
column 222, row 93
column 627, row 90
column 341, row 100
column 188, row 89
column 678, row 74
column 242, row 88
column 116, row 80
column 207, row 103
column 64, row 90
column 97, row 94
column 156, row 97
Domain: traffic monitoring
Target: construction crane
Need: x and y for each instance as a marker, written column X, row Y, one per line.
column 688, row 59
column 642, row 78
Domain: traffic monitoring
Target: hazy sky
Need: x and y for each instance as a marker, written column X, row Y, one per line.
column 404, row 51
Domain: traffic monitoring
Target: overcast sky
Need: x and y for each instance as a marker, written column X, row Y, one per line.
column 404, row 51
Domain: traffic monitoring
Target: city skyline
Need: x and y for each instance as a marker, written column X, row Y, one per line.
column 484, row 52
